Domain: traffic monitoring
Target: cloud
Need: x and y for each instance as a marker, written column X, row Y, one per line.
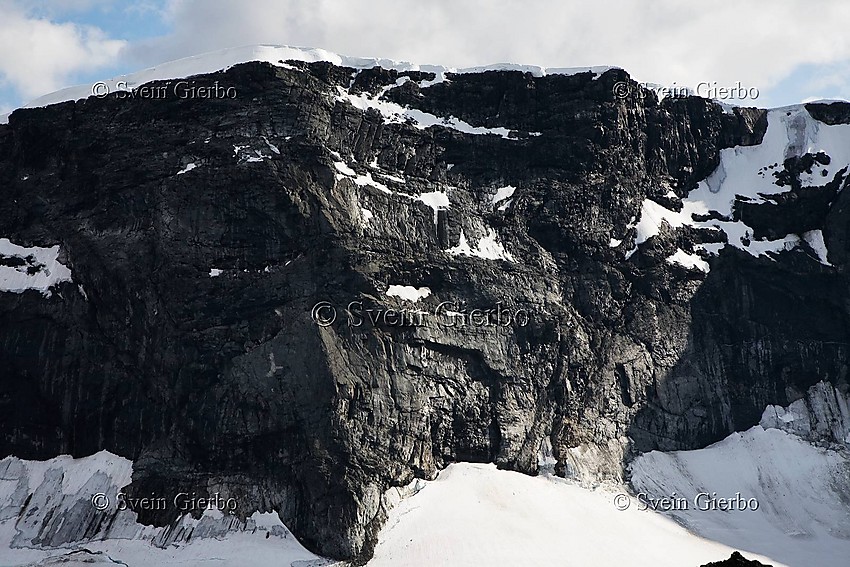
column 756, row 43
column 38, row 56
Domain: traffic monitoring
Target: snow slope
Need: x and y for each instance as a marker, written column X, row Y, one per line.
column 794, row 505
column 276, row 55
column 803, row 495
column 48, row 511
column 475, row 514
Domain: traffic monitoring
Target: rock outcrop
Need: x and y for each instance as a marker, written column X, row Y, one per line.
column 736, row 560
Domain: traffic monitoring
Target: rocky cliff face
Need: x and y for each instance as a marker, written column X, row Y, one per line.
column 273, row 296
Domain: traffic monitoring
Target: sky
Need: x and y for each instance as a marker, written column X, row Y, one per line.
column 783, row 51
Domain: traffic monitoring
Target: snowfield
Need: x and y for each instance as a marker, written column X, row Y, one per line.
column 475, row 514
column 803, row 491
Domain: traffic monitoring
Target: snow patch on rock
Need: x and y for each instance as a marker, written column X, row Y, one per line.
column 189, row 167
column 745, row 171
column 437, row 200
column 408, row 292
column 23, row 268
column 503, row 193
column 814, row 238
column 691, row 261
column 394, row 113
column 488, row 247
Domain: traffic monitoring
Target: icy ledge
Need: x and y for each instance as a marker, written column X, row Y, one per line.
column 276, row 55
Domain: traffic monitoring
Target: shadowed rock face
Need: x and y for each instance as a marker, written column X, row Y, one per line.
column 229, row 384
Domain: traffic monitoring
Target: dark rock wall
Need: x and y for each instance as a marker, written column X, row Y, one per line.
column 228, row 383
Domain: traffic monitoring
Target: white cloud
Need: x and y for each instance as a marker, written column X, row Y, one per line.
column 38, row 56
column 665, row 41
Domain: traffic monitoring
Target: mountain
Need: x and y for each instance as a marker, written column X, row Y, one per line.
column 305, row 281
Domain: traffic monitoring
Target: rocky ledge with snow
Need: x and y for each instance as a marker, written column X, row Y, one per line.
column 349, row 276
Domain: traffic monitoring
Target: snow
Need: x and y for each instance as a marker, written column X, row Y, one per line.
column 710, row 248
column 188, row 167
column 366, row 215
column 215, row 272
column 408, row 292
column 245, row 153
column 367, row 179
column 814, row 238
column 360, row 180
column 651, row 216
column 437, row 200
column 747, row 171
column 389, row 176
column 475, row 514
column 396, row 114
column 39, row 268
column 803, row 492
column 275, row 55
column 343, row 169
column 46, row 514
column 503, row 193
column 488, row 247
column 692, row 261
column 271, row 146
